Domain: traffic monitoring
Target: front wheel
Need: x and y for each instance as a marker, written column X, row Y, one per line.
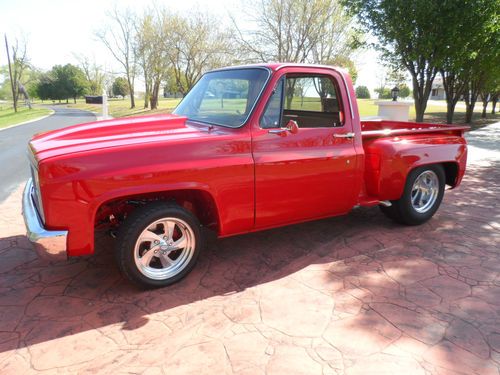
column 422, row 196
column 158, row 245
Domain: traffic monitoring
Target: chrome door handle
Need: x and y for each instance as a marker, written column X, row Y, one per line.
column 278, row 131
column 346, row 135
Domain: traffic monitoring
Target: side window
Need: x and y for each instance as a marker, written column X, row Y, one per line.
column 312, row 101
column 272, row 114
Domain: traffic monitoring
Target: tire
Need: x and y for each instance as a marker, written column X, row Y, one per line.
column 422, row 196
column 158, row 245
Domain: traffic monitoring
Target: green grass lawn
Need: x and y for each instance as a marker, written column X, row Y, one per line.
column 121, row 108
column 8, row 117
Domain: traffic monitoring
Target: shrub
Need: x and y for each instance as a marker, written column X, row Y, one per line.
column 362, row 92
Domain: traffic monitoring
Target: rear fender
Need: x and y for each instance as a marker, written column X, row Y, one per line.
column 389, row 161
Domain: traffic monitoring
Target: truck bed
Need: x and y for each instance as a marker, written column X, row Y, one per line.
column 384, row 128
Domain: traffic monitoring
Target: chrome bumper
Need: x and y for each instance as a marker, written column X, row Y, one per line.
column 52, row 242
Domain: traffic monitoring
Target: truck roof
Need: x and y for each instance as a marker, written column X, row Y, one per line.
column 274, row 66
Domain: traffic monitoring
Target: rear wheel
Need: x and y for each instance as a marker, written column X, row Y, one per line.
column 158, row 245
column 422, row 196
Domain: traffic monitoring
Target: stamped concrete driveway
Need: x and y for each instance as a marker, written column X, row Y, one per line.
column 348, row 295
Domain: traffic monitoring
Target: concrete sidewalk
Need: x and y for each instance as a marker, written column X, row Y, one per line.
column 349, row 295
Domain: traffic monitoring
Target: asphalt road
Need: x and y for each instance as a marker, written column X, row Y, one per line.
column 14, row 167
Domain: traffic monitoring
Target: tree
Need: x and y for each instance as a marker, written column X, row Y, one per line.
column 62, row 82
column 408, row 33
column 194, row 45
column 70, row 81
column 120, row 86
column 344, row 62
column 471, row 52
column 153, row 56
column 362, row 92
column 118, row 37
column 299, row 31
column 93, row 73
column 45, row 87
column 383, row 92
column 481, row 66
column 29, row 81
column 18, row 62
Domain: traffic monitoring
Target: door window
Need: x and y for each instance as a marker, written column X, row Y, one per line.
column 312, row 101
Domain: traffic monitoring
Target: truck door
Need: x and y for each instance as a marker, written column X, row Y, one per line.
column 310, row 172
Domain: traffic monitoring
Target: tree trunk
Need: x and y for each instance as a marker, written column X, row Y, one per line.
column 422, row 79
column 131, row 92
column 67, row 101
column 147, row 94
column 485, row 98
column 494, row 101
column 154, row 95
column 74, row 99
column 470, row 96
column 470, row 103
column 450, row 111
column 419, row 109
column 12, row 83
column 454, row 89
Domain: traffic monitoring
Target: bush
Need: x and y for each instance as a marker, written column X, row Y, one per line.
column 384, row 93
column 362, row 92
column 404, row 91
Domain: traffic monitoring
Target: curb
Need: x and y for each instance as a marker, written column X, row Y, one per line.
column 27, row 122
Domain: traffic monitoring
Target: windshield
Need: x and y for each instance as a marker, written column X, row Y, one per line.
column 224, row 97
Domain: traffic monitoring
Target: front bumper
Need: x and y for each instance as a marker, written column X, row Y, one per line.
column 50, row 242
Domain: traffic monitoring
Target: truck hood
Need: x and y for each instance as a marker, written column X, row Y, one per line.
column 111, row 133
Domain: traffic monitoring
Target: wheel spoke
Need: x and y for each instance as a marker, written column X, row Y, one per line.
column 146, row 258
column 181, row 243
column 414, row 198
column 165, row 260
column 169, row 228
column 420, row 198
column 150, row 236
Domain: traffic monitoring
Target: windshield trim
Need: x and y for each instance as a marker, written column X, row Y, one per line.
column 269, row 73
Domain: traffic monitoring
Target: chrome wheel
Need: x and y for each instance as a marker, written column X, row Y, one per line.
column 164, row 248
column 425, row 191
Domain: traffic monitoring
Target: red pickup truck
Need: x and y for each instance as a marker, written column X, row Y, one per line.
column 249, row 148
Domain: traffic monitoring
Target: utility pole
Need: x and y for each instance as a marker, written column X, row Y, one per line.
column 12, row 83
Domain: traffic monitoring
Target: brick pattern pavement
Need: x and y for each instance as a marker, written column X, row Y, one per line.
column 349, row 295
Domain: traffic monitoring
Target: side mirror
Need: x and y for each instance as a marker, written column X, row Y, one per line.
column 292, row 127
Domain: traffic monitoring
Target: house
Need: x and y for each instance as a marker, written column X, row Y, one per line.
column 437, row 91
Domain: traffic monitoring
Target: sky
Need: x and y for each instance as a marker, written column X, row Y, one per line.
column 57, row 30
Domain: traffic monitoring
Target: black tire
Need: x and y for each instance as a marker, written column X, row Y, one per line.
column 403, row 211
column 136, row 224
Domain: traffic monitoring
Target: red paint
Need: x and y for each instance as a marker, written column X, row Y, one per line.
column 239, row 180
